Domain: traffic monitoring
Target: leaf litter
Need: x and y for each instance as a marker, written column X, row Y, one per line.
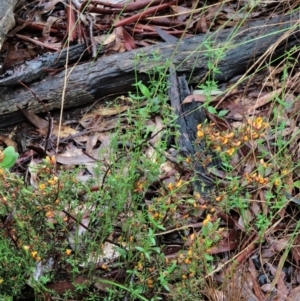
column 248, row 117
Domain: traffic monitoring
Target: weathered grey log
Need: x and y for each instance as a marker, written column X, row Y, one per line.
column 188, row 117
column 116, row 73
column 7, row 20
column 37, row 69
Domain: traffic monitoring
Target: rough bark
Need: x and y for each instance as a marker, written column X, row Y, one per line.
column 188, row 117
column 7, row 20
column 116, row 73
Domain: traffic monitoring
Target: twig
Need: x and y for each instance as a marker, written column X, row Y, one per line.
column 147, row 12
column 94, row 48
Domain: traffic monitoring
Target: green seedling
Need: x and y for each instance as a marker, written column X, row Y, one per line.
column 8, row 157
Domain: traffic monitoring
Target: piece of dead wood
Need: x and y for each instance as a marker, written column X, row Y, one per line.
column 115, row 74
column 7, row 20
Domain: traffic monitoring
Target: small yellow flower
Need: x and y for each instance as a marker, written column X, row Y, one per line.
column 277, row 182
column 187, row 261
column 265, row 125
column 139, row 266
column 224, row 140
column 1, row 280
column 200, row 134
column 230, row 151
column 104, row 266
column 50, row 214
column 192, row 236
column 219, row 198
column 51, row 160
column 170, row 186
column 53, row 181
column 178, row 183
column 263, row 163
column 217, row 148
column 237, row 143
column 207, row 220
column 150, row 281
column 257, row 123
column 68, row 252
column 197, row 195
column 139, row 186
column 188, row 160
column 155, row 215
column 229, row 135
column 42, row 186
column 34, row 254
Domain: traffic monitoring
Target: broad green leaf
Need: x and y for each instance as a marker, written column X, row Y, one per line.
column 222, row 113
column 296, row 184
column 10, row 157
column 145, row 91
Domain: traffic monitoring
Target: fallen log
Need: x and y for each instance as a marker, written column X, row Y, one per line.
column 113, row 74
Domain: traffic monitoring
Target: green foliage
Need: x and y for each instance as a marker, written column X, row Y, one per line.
column 16, row 267
column 9, row 157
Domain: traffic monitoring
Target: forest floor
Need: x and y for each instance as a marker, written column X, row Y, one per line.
column 104, row 202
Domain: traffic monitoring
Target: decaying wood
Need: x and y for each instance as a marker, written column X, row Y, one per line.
column 116, row 73
column 7, row 20
column 188, row 117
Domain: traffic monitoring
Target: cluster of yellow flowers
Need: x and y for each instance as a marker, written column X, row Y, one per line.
column 229, row 140
column 256, row 178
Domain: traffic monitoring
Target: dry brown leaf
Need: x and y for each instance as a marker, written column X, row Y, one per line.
column 91, row 142
column 202, row 24
column 181, row 12
column 65, row 131
column 105, row 39
column 282, row 290
column 194, row 97
column 294, row 294
column 262, row 101
column 258, row 293
column 295, row 250
column 48, row 6
column 74, row 156
column 275, row 246
column 71, row 23
column 38, row 122
column 107, row 111
column 128, row 40
column 8, row 142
